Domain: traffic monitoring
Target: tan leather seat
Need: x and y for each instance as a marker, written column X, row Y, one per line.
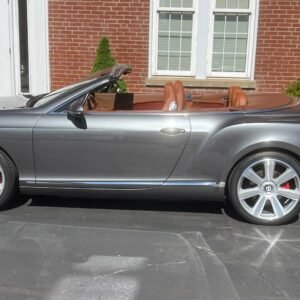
column 179, row 89
column 170, row 103
column 239, row 99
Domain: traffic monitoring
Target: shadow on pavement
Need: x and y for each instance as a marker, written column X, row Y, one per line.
column 121, row 204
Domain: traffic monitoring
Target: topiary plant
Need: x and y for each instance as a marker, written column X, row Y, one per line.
column 293, row 88
column 104, row 60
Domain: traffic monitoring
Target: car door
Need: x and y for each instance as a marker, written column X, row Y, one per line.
column 126, row 149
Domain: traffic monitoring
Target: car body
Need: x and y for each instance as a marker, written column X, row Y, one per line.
column 58, row 147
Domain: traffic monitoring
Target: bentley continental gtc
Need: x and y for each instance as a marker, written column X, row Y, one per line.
column 90, row 139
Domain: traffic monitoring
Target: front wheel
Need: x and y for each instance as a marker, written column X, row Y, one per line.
column 264, row 188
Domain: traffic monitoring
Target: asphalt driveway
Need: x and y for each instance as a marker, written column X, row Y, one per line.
column 58, row 249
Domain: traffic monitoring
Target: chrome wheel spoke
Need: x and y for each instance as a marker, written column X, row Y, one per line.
column 290, row 194
column 253, row 177
column 278, row 209
column 269, row 166
column 248, row 193
column 259, row 206
column 286, row 176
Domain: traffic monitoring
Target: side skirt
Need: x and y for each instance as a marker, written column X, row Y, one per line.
column 173, row 190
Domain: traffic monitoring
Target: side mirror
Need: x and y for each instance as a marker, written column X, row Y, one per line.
column 76, row 109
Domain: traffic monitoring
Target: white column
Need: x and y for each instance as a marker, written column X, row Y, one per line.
column 5, row 57
column 38, row 44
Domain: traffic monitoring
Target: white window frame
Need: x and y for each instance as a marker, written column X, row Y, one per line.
column 153, row 53
column 252, row 37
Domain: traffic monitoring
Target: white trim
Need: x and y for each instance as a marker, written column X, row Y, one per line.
column 151, row 42
column 255, row 33
column 38, row 46
column 16, row 48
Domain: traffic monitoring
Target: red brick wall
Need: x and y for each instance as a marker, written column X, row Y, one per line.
column 76, row 26
column 278, row 47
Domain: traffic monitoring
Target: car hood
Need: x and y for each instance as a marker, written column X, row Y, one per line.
column 12, row 102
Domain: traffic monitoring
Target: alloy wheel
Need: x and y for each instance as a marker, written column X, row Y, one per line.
column 269, row 189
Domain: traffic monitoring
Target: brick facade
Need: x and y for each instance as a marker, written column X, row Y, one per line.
column 278, row 44
column 75, row 27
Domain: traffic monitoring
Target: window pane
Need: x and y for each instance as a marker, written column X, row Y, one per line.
column 165, row 3
column 241, row 45
column 234, row 4
column 186, row 43
column 231, row 24
column 163, row 42
column 175, row 22
column 219, row 23
column 185, row 62
column 244, row 4
column 240, row 63
column 176, row 3
column 228, row 64
column 217, row 62
column 218, row 43
column 230, row 43
column 187, row 22
column 243, row 24
column 175, row 41
column 187, row 3
column 174, row 61
column 221, row 4
column 162, row 61
column 163, row 22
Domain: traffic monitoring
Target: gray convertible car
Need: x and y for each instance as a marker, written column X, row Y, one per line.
column 89, row 139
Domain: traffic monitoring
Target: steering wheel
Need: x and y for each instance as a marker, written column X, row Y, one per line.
column 91, row 102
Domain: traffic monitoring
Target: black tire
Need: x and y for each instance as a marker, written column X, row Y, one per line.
column 270, row 206
column 9, row 179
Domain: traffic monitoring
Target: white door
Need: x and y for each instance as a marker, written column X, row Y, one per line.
column 5, row 59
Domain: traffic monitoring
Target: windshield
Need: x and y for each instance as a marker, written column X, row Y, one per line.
column 45, row 98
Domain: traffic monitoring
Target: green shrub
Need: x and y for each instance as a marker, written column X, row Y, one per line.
column 104, row 59
column 293, row 88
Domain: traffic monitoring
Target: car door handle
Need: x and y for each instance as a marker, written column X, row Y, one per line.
column 172, row 131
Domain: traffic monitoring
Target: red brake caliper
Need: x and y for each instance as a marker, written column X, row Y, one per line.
column 287, row 186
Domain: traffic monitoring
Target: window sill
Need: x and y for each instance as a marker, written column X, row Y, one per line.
column 202, row 83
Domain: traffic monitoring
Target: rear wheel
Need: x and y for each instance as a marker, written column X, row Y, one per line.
column 265, row 188
column 8, row 180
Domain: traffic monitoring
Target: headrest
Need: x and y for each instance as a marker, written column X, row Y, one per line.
column 179, row 89
column 231, row 91
column 170, row 97
column 239, row 99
